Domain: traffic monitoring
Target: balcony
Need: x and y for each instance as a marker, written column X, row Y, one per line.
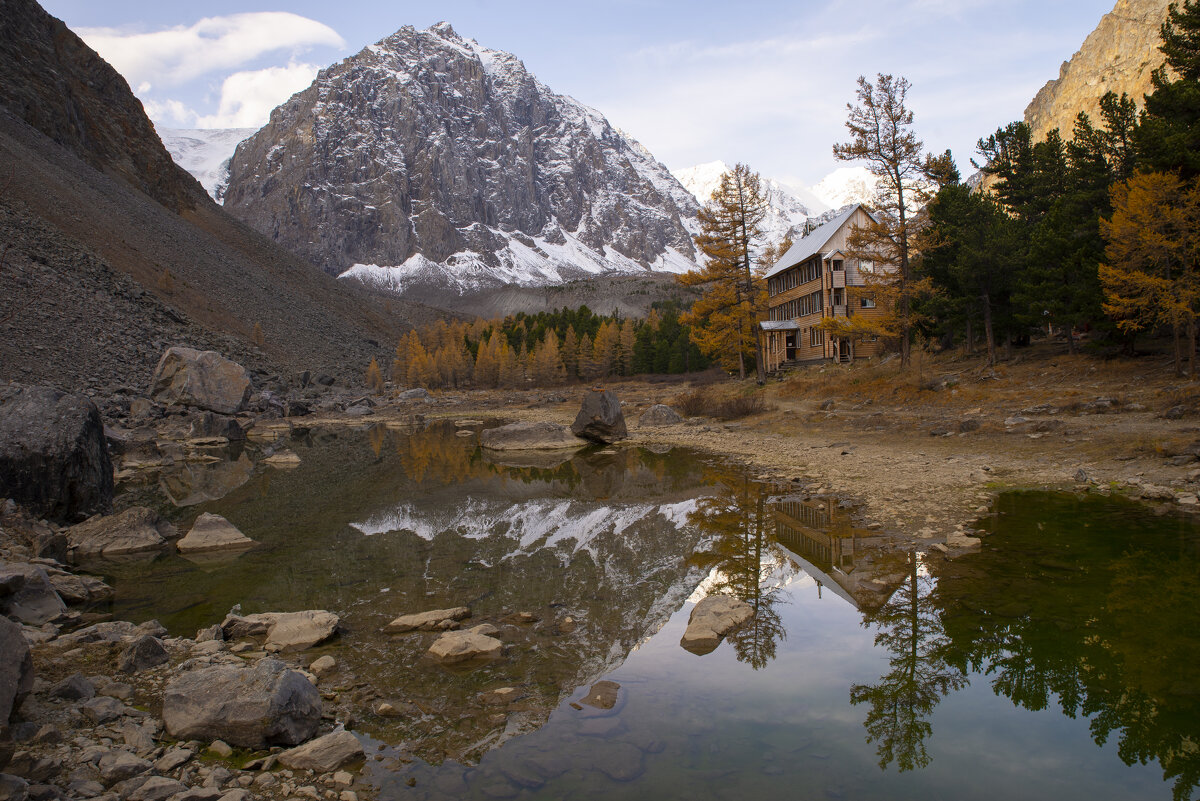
column 838, row 277
column 840, row 310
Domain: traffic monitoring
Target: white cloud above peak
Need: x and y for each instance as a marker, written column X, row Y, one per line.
column 182, row 53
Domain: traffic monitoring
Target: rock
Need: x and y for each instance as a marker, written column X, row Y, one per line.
column 359, row 411
column 250, row 706
column 103, row 709
column 53, row 457
column 16, row 669
column 659, row 415
column 204, row 379
column 711, row 620
column 36, row 602
column 461, row 646
column 420, row 393
column 324, row 754
column 425, row 621
column 76, row 589
column 622, row 762
column 13, row 788
column 211, row 533
column 285, row 631
column 968, row 425
column 284, row 458
column 117, row 766
column 136, row 530
column 144, row 652
column 156, row 788
column 1175, row 413
column 173, row 759
column 322, row 665
column 1082, row 476
column 529, row 436
column 209, row 424
column 603, row 695
column 221, row 749
column 73, row 688
column 600, row 418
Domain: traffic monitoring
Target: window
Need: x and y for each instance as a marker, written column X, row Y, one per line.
column 816, row 336
column 868, row 302
column 866, row 267
column 837, row 265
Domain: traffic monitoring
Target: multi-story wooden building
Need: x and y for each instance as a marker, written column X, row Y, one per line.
column 812, row 282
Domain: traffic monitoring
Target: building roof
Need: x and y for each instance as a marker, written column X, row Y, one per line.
column 812, row 244
column 779, row 325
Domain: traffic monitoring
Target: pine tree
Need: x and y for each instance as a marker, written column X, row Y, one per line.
column 882, row 135
column 570, row 353
column 587, row 359
column 1152, row 274
column 724, row 319
column 1168, row 138
column 374, row 376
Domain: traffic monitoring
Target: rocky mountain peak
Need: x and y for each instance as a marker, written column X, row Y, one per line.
column 57, row 84
column 427, row 159
column 1120, row 55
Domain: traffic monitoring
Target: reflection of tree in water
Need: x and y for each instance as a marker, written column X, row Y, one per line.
column 744, row 556
column 903, row 700
column 1060, row 614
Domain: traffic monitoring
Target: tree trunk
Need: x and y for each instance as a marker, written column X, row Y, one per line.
column 970, row 337
column 987, row 330
column 1070, row 329
column 1192, row 348
column 1178, row 353
column 759, row 362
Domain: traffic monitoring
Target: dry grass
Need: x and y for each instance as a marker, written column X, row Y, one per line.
column 712, row 402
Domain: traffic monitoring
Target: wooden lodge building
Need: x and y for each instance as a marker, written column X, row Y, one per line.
column 812, row 282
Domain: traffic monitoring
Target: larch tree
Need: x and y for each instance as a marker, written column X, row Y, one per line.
column 881, row 130
column 374, row 376
column 1152, row 274
column 734, row 298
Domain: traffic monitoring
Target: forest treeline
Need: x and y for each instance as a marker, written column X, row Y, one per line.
column 544, row 349
column 1099, row 231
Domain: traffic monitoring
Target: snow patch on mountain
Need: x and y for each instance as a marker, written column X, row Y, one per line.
column 205, row 153
column 846, row 186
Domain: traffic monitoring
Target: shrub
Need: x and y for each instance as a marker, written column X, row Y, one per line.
column 708, row 403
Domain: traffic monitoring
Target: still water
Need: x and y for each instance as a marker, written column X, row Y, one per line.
column 1062, row 661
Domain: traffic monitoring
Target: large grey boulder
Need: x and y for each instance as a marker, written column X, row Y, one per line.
column 136, row 530
column 427, row 621
column 247, row 706
column 324, row 754
column 711, row 620
column 600, row 418
column 213, row 533
column 659, row 415
column 35, row 602
column 53, row 457
column 204, row 379
column 529, row 436
column 16, row 669
column 284, row 631
column 143, row 653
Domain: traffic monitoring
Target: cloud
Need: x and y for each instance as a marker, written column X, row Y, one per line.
column 247, row 99
column 214, row 44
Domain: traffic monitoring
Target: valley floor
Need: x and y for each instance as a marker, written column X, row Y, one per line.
column 924, row 451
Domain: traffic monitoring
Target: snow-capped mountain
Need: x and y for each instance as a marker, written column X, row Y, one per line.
column 847, row 185
column 205, row 153
column 429, row 161
column 788, row 207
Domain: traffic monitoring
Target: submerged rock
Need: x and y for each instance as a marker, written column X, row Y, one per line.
column 284, row 631
column 53, row 457
column 247, row 706
column 600, row 418
column 204, row 379
column 324, row 754
column 136, row 530
column 711, row 620
column 463, row 646
column 529, row 436
column 212, row 532
column 426, row 621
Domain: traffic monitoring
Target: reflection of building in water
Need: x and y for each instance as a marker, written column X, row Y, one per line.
column 853, row 563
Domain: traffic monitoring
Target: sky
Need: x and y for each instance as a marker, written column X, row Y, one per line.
column 763, row 82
